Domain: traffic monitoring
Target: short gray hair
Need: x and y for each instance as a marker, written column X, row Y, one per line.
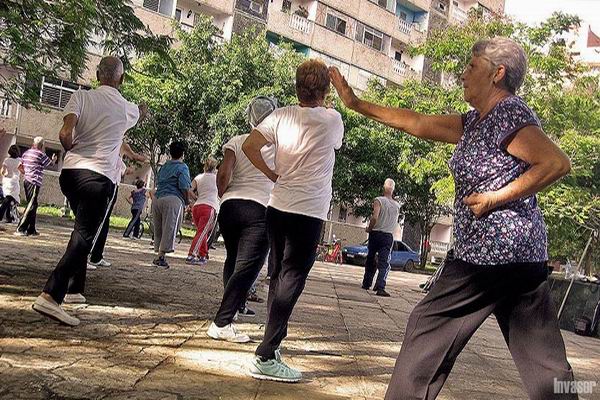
column 110, row 69
column 508, row 53
column 38, row 142
column 389, row 184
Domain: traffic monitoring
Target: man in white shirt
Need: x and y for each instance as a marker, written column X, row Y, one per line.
column 244, row 193
column 94, row 125
column 305, row 139
column 381, row 229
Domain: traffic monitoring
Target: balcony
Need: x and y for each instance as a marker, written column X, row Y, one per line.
column 403, row 70
column 186, row 28
column 459, row 16
column 301, row 24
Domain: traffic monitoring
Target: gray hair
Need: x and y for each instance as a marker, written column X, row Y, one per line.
column 110, row 69
column 508, row 53
column 38, row 142
column 389, row 184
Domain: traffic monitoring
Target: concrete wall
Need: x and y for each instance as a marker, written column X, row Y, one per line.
column 349, row 234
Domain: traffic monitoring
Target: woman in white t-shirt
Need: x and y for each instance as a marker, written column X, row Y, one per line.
column 204, row 212
column 244, row 192
column 11, row 175
column 305, row 139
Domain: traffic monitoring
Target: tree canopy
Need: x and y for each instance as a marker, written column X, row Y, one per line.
column 43, row 38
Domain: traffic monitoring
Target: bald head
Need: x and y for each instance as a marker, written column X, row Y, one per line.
column 110, row 71
column 389, row 186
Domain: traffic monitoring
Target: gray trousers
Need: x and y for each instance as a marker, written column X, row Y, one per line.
column 459, row 302
column 167, row 213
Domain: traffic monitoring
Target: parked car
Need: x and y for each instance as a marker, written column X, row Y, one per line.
column 403, row 257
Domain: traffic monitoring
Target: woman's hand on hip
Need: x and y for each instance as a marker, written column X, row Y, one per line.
column 481, row 203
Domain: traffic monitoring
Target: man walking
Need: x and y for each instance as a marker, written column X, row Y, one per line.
column 33, row 162
column 94, row 125
column 381, row 238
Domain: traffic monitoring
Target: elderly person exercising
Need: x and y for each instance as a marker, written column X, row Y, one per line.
column 502, row 159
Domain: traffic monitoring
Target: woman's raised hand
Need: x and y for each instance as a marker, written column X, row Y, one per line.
column 341, row 86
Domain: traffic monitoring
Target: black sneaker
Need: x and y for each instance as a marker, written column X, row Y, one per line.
column 365, row 287
column 160, row 262
column 382, row 293
column 246, row 312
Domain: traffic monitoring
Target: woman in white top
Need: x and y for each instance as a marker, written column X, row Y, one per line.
column 11, row 174
column 204, row 212
column 244, row 192
column 305, row 139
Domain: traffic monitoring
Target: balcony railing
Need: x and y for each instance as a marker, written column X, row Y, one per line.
column 439, row 247
column 186, row 28
column 460, row 16
column 403, row 69
column 300, row 23
column 405, row 26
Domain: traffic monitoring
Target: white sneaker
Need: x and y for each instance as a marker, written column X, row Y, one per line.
column 74, row 298
column 101, row 263
column 227, row 333
column 52, row 310
column 91, row 267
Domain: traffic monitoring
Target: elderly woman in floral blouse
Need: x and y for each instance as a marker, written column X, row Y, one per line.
column 502, row 159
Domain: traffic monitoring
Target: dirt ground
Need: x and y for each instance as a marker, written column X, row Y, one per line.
column 143, row 333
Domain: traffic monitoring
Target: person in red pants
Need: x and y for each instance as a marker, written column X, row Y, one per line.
column 204, row 212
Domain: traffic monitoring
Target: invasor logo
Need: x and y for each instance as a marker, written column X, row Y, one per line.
column 574, row 387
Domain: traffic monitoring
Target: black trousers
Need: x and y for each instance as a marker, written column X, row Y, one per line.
column 244, row 228
column 27, row 224
column 89, row 194
column 6, row 207
column 380, row 244
column 97, row 252
column 134, row 223
column 293, row 239
column 459, row 302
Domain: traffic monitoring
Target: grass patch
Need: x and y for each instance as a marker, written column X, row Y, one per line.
column 116, row 222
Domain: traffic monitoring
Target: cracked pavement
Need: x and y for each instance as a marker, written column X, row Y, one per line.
column 142, row 334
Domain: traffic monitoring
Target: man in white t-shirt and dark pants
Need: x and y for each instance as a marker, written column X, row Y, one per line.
column 94, row 125
column 305, row 139
column 244, row 193
column 381, row 229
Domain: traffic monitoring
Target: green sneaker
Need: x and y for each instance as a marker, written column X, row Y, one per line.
column 274, row 370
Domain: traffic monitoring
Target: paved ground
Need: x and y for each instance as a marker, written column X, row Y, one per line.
column 143, row 334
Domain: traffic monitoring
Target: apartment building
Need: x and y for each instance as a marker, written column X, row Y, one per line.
column 366, row 39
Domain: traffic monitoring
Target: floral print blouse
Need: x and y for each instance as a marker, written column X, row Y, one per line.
column 514, row 232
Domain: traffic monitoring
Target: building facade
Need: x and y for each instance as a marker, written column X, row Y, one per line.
column 366, row 39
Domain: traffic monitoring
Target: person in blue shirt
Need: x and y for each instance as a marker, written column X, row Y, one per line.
column 173, row 193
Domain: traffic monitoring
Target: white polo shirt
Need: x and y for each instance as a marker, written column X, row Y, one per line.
column 103, row 118
column 305, row 141
column 247, row 182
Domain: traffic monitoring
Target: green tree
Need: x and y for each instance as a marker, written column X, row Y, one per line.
column 202, row 100
column 42, row 38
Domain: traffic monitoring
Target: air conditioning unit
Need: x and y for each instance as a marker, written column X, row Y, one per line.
column 256, row 7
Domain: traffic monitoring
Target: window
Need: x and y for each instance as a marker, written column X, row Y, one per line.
column 286, row 6
column 336, row 23
column 5, row 107
column 403, row 16
column 178, row 15
column 441, row 6
column 373, row 38
column 387, row 4
column 398, row 56
column 56, row 93
column 164, row 7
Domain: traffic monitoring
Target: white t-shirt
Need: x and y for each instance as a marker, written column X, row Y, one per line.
column 206, row 185
column 305, row 141
column 103, row 118
column 11, row 182
column 247, row 182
